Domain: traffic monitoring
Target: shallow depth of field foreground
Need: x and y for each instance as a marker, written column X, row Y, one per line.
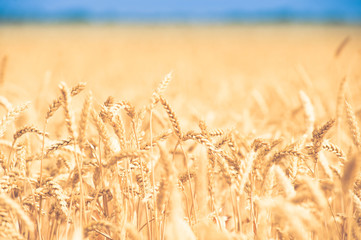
column 160, row 132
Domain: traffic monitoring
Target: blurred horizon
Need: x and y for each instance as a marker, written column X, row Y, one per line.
column 161, row 11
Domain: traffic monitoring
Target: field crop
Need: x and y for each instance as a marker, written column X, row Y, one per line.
column 253, row 134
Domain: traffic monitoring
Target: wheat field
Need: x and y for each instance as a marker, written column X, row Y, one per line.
column 180, row 132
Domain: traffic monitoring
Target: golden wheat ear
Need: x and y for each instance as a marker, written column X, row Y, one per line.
column 353, row 125
column 56, row 104
column 160, row 90
column 69, row 118
column 172, row 117
column 83, row 122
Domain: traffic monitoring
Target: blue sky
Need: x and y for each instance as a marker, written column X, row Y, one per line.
column 347, row 10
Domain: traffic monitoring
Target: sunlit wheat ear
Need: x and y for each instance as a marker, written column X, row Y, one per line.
column 204, row 129
column 60, row 196
column 318, row 136
column 161, row 137
column 278, row 156
column 160, row 90
column 11, row 116
column 269, row 183
column 119, row 129
column 249, row 165
column 353, row 125
column 172, row 117
column 69, row 117
column 25, row 130
column 83, row 123
column 330, row 147
column 56, row 104
column 109, row 102
column 103, row 133
column 215, row 155
column 57, row 146
column 109, row 114
column 20, row 159
column 128, row 107
column 309, row 112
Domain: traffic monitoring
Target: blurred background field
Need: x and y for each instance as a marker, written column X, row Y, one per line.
column 223, row 55
column 229, row 68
